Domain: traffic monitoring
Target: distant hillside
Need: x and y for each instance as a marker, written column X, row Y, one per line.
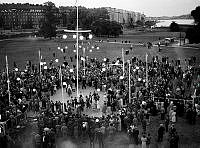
column 186, row 16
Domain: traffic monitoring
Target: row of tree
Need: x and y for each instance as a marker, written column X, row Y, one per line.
column 95, row 19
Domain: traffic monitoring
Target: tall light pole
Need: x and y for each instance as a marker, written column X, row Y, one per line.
column 77, row 36
column 77, row 47
column 123, row 60
column 8, row 80
column 129, row 80
column 146, row 70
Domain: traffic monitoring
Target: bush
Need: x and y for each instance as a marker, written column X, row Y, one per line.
column 174, row 27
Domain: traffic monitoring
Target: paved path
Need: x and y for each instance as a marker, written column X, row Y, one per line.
column 84, row 92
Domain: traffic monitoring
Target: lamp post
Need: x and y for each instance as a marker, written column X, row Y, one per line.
column 146, row 70
column 129, row 79
column 8, row 81
column 123, row 60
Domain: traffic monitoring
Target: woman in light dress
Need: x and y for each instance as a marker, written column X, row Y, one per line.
column 144, row 141
column 98, row 105
column 173, row 116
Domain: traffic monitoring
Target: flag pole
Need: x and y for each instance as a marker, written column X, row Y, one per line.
column 77, row 48
column 8, row 81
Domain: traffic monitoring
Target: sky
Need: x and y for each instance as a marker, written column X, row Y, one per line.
column 148, row 7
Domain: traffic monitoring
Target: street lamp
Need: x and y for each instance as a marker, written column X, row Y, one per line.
column 56, row 60
column 64, row 36
column 74, row 36
column 129, row 79
column 81, row 38
column 90, row 36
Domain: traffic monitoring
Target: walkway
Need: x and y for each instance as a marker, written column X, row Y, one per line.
column 84, row 92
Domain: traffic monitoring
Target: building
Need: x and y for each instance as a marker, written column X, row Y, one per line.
column 123, row 16
column 22, row 16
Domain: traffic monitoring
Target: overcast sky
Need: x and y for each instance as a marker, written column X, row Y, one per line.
column 148, row 7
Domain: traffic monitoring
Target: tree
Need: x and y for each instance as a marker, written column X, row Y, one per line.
column 140, row 23
column 48, row 28
column 193, row 34
column 86, row 17
column 150, row 23
column 196, row 15
column 130, row 23
column 106, row 27
column 174, row 27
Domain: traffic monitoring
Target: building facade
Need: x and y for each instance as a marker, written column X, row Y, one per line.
column 123, row 16
column 26, row 16
column 18, row 16
column 23, row 16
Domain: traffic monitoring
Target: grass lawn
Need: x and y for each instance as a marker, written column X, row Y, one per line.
column 24, row 49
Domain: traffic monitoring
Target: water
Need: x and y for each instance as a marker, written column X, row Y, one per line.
column 166, row 23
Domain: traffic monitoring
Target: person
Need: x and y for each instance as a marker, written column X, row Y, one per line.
column 162, row 113
column 37, row 141
column 161, row 131
column 148, row 140
column 100, row 136
column 91, row 134
column 130, row 134
column 159, row 49
column 193, row 114
column 172, row 141
column 173, row 117
column 167, row 123
column 144, row 124
column 135, row 135
column 69, row 90
column 176, row 142
column 144, row 141
column 172, row 130
column 111, row 131
column 64, row 130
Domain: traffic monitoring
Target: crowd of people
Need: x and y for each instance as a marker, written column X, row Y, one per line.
column 163, row 91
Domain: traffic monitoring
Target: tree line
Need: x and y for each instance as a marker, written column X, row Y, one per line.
column 96, row 19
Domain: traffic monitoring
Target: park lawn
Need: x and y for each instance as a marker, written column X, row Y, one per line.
column 23, row 49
